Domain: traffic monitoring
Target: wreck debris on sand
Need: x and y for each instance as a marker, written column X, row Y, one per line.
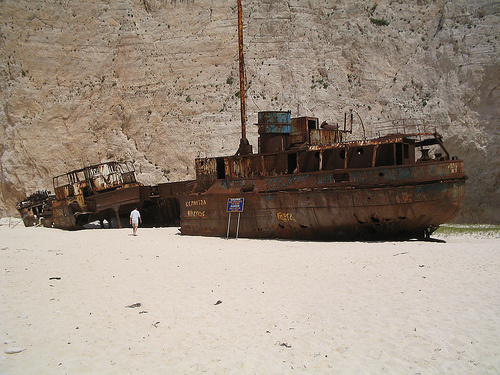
column 36, row 209
column 106, row 191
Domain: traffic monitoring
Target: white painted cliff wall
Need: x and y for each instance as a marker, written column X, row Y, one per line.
column 156, row 81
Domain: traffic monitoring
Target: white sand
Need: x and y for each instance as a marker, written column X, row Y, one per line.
column 287, row 306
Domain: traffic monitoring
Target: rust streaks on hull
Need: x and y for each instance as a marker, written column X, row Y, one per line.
column 404, row 211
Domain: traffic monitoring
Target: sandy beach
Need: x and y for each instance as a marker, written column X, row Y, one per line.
column 106, row 302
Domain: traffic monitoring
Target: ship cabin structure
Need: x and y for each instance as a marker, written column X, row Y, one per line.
column 294, row 146
column 96, row 192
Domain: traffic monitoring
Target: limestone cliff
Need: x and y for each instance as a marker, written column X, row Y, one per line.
column 156, row 81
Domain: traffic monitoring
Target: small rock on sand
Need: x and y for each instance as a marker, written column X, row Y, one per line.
column 13, row 350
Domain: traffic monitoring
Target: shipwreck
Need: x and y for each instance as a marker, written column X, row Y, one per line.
column 307, row 180
column 102, row 192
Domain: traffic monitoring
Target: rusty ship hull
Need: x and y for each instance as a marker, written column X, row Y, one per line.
column 374, row 203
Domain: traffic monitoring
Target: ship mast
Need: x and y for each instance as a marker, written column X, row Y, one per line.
column 245, row 147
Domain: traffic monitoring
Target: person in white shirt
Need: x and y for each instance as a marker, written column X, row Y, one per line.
column 135, row 219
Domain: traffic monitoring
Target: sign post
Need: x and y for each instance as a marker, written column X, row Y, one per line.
column 234, row 205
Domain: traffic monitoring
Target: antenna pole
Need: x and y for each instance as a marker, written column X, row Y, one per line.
column 245, row 147
column 242, row 70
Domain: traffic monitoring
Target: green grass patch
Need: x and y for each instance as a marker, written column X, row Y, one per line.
column 468, row 229
column 379, row 22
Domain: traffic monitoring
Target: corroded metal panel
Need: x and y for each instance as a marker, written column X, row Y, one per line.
column 104, row 176
column 206, row 172
column 63, row 216
column 419, row 172
column 299, row 131
column 118, row 199
column 274, row 117
column 174, row 189
column 275, row 128
column 323, row 137
column 63, row 192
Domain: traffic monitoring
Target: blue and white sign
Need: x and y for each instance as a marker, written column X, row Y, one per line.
column 235, row 204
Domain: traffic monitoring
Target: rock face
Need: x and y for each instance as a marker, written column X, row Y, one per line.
column 156, row 81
